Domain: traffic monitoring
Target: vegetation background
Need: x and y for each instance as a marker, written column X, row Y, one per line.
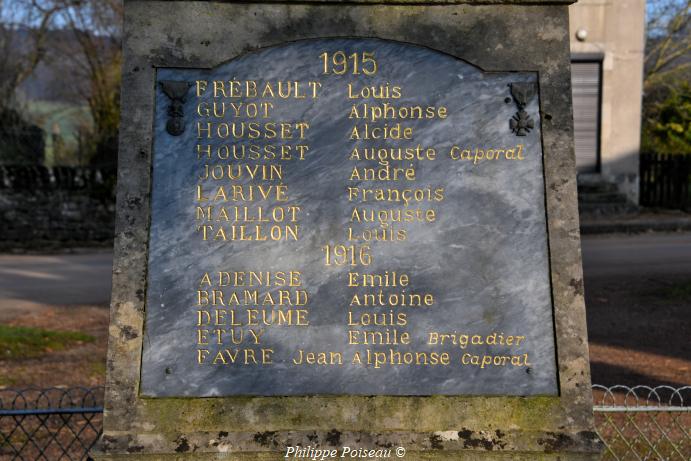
column 667, row 78
column 60, row 81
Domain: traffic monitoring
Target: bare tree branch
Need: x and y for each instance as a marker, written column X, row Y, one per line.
column 23, row 30
column 669, row 39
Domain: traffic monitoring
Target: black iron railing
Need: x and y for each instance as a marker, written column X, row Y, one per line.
column 49, row 424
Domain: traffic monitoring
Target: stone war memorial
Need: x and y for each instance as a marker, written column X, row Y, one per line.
column 347, row 230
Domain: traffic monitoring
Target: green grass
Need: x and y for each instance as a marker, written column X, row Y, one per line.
column 679, row 291
column 97, row 369
column 6, row 381
column 25, row 342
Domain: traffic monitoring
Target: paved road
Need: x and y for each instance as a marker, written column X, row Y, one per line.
column 646, row 254
column 28, row 281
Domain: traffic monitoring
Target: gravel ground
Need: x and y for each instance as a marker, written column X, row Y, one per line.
column 639, row 329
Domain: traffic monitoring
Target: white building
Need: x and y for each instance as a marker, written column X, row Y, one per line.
column 607, row 50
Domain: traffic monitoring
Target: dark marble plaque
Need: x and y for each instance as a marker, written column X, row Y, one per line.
column 461, row 232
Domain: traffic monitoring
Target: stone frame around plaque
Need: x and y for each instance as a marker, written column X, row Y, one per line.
column 494, row 35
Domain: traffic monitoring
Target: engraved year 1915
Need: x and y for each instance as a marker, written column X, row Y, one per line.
column 340, row 63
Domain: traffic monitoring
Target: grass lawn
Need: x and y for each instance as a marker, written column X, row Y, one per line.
column 18, row 342
column 55, row 346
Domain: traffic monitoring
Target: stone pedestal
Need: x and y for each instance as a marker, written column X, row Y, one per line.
column 546, row 418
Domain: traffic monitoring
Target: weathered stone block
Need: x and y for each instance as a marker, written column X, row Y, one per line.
column 147, row 417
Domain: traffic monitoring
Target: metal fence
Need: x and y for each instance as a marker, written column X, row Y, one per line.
column 49, row 424
column 665, row 181
column 644, row 423
column 635, row 423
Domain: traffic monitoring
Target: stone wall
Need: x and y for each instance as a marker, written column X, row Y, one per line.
column 55, row 207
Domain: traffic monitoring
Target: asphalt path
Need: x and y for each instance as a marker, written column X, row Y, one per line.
column 637, row 255
column 27, row 281
column 30, row 282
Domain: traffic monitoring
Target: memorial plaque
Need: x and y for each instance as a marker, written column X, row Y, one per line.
column 347, row 226
column 347, row 216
